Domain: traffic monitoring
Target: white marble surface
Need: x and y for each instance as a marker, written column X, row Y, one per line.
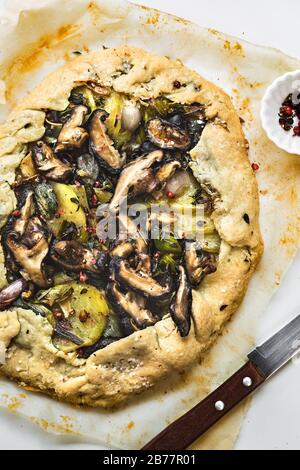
column 272, row 422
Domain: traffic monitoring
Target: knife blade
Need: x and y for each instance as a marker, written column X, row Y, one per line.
column 278, row 350
column 263, row 362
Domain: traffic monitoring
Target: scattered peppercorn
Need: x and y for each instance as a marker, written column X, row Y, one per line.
column 255, row 166
column 170, row 194
column 82, row 277
column 57, row 313
column 296, row 131
column 59, row 213
column 286, row 124
column 288, row 112
column 94, row 200
column 16, row 213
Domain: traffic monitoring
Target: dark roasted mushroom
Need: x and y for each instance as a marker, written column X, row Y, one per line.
column 27, row 172
column 132, row 305
column 33, row 233
column 10, row 293
column 129, row 228
column 167, row 136
column 48, row 164
column 181, row 305
column 87, row 168
column 72, row 256
column 163, row 175
column 72, row 135
column 101, row 144
column 28, row 240
column 132, row 175
column 140, row 282
column 166, row 171
column 146, row 184
column 144, row 263
column 30, row 259
column 198, row 265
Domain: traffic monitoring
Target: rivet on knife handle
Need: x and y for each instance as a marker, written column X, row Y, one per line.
column 183, row 432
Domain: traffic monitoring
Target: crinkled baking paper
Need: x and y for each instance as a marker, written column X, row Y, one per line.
column 38, row 36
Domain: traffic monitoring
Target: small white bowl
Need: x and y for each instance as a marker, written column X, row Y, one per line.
column 271, row 103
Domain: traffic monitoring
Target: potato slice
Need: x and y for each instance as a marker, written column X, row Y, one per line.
column 81, row 195
column 69, row 210
column 85, row 315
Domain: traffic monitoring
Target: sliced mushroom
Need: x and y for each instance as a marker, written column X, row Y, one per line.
column 48, row 164
column 181, row 305
column 10, row 293
column 87, row 168
column 140, row 282
column 101, row 144
column 132, row 175
column 26, row 211
column 198, row 266
column 167, row 136
column 33, row 233
column 133, row 305
column 166, row 171
column 99, row 89
column 163, row 175
column 144, row 263
column 122, row 249
column 72, row 256
column 28, row 242
column 146, row 184
column 27, row 171
column 131, row 231
column 31, row 259
column 72, row 135
column 124, row 319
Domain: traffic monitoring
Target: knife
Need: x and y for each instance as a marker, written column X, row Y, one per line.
column 263, row 362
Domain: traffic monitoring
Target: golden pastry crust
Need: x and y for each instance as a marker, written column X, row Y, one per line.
column 138, row 362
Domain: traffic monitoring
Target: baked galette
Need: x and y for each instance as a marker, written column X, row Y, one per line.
column 129, row 226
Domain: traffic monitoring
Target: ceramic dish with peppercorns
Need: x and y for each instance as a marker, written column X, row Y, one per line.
column 280, row 112
column 91, row 319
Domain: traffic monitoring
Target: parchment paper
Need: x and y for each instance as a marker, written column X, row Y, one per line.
column 36, row 36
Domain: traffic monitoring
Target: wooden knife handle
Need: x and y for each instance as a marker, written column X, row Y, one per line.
column 183, row 432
